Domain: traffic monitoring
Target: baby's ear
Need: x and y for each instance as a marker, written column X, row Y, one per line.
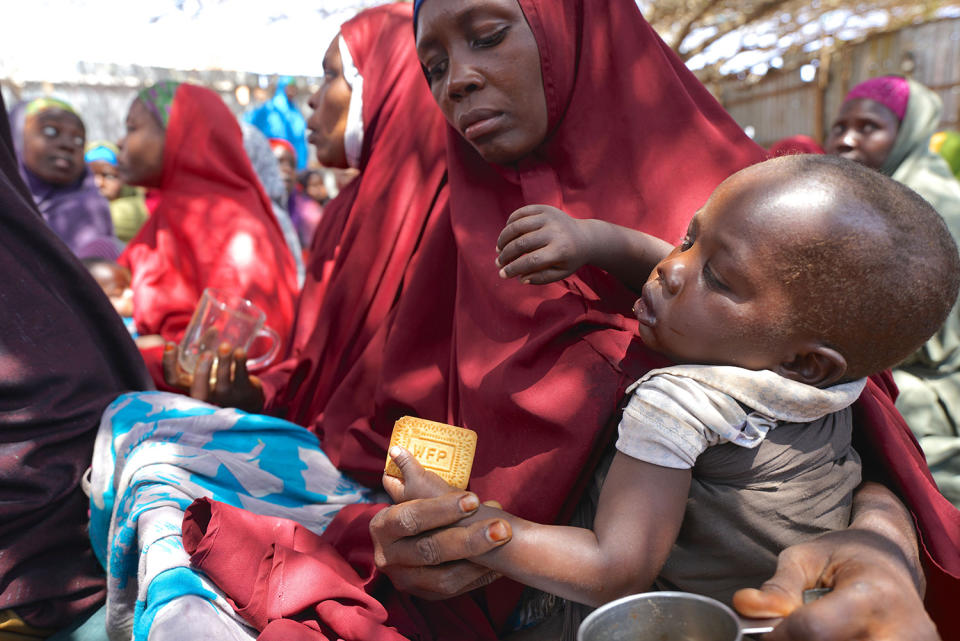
column 814, row 364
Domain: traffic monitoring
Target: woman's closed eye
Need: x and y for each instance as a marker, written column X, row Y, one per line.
column 491, row 40
column 434, row 69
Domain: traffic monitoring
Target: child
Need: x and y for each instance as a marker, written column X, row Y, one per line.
column 114, row 280
column 128, row 206
column 798, row 278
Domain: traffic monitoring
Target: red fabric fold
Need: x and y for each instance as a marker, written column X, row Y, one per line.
column 211, row 225
column 290, row 583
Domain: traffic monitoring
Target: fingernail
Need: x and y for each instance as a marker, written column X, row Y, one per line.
column 469, row 503
column 395, row 451
column 497, row 531
column 503, row 273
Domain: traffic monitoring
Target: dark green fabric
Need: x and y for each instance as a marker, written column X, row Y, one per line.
column 92, row 627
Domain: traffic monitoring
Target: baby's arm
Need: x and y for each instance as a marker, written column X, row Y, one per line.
column 541, row 244
column 638, row 518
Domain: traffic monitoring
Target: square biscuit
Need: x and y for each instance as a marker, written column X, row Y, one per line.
column 443, row 449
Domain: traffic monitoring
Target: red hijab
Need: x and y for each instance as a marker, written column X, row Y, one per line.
column 369, row 233
column 539, row 370
column 211, row 225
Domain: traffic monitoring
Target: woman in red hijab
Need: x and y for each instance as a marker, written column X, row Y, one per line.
column 211, row 224
column 369, row 233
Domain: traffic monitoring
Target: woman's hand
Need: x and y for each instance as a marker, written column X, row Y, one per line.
column 232, row 385
column 420, row 544
column 541, row 244
column 872, row 569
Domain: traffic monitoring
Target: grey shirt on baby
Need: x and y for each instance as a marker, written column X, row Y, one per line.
column 772, row 466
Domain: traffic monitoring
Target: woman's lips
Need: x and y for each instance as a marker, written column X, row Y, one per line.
column 479, row 123
column 62, row 163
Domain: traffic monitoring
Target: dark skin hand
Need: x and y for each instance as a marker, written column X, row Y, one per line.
column 541, row 244
column 232, row 385
column 873, row 570
column 422, row 555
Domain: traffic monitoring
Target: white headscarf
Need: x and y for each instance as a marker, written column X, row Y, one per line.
column 353, row 136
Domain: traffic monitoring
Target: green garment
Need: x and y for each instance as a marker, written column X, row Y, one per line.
column 128, row 212
column 947, row 144
column 929, row 381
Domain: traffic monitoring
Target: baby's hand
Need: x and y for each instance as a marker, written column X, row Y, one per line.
column 417, row 482
column 541, row 244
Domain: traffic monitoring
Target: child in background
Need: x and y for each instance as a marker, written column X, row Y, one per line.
column 114, row 280
column 128, row 207
column 304, row 211
column 800, row 276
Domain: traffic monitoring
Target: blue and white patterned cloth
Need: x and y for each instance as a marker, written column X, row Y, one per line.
column 155, row 453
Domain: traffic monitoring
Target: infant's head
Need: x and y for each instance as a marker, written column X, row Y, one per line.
column 811, row 266
column 115, row 280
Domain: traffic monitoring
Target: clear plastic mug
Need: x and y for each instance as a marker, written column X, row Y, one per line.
column 224, row 317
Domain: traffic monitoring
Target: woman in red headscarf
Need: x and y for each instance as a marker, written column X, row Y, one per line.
column 211, row 224
column 373, row 113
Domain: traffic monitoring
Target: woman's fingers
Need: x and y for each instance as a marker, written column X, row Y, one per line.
column 200, row 387
column 422, row 515
column 172, row 374
column 449, row 544
column 442, row 582
column 240, row 374
column 224, row 365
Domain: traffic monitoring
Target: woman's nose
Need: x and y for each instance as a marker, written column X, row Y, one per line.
column 848, row 139
column 671, row 272
column 463, row 80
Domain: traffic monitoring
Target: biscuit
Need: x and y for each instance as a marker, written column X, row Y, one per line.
column 443, row 449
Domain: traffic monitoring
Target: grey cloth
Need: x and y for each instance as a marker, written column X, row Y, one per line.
column 265, row 166
column 747, row 505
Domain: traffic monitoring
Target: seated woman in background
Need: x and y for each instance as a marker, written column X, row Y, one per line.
column 128, row 208
column 886, row 123
column 211, row 223
column 265, row 165
column 49, row 136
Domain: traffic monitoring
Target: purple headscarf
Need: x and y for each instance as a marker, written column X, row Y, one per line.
column 77, row 213
column 890, row 91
